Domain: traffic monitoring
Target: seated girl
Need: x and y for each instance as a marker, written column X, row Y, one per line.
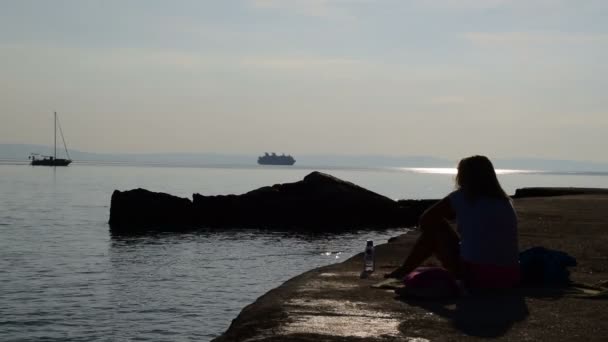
column 484, row 251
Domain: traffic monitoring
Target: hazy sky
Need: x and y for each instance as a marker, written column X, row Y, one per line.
column 429, row 77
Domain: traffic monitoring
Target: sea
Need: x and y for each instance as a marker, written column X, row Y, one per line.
column 64, row 277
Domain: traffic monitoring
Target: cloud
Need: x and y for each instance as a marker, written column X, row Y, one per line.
column 449, row 100
column 313, row 8
column 317, row 8
column 462, row 4
column 128, row 58
column 532, row 38
column 134, row 59
column 300, row 62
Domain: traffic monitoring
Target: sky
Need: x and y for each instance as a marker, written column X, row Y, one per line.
column 505, row 78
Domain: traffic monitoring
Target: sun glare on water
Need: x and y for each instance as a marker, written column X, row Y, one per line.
column 454, row 171
column 434, row 170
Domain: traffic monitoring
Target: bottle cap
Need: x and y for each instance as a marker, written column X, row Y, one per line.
column 370, row 242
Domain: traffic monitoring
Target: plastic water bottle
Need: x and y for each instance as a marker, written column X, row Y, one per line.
column 368, row 257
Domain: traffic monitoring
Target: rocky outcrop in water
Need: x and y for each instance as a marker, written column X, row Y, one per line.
column 141, row 209
column 319, row 202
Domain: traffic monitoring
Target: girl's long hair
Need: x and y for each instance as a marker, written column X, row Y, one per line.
column 477, row 178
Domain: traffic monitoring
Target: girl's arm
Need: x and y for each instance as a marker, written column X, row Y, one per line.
column 438, row 212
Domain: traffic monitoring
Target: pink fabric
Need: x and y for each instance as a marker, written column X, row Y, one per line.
column 491, row 276
column 437, row 281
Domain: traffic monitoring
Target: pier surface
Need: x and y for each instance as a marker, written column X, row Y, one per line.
column 333, row 303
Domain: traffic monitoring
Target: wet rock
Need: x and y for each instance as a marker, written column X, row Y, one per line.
column 140, row 209
column 412, row 209
column 319, row 202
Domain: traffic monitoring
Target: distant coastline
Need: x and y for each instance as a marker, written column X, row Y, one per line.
column 18, row 153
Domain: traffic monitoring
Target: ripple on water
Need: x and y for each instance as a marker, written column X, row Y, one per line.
column 63, row 277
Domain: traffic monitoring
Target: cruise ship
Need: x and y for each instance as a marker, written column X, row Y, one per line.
column 274, row 159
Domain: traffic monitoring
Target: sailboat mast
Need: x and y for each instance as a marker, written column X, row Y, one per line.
column 55, row 134
column 65, row 146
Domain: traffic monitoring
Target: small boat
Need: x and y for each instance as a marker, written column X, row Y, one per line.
column 274, row 159
column 40, row 160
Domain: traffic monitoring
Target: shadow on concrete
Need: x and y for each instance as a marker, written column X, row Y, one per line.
column 478, row 315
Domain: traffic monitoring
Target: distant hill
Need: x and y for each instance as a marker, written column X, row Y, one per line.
column 20, row 152
column 364, row 161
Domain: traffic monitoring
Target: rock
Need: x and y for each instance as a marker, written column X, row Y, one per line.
column 412, row 209
column 557, row 191
column 140, row 209
column 319, row 202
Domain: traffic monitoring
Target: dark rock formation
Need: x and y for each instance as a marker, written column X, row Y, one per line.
column 319, row 202
column 545, row 192
column 140, row 209
column 412, row 209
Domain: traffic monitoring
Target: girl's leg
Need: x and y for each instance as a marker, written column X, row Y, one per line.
column 447, row 249
column 439, row 239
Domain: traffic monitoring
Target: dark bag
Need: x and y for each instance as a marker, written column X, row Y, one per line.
column 543, row 267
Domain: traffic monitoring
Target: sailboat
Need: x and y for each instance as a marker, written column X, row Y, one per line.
column 52, row 160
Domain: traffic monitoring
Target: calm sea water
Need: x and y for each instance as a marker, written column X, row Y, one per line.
column 63, row 277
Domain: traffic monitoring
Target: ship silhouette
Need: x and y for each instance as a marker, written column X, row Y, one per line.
column 274, row 159
column 52, row 160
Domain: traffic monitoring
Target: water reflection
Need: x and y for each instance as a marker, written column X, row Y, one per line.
column 66, row 278
column 175, row 281
column 454, row 171
column 238, row 233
